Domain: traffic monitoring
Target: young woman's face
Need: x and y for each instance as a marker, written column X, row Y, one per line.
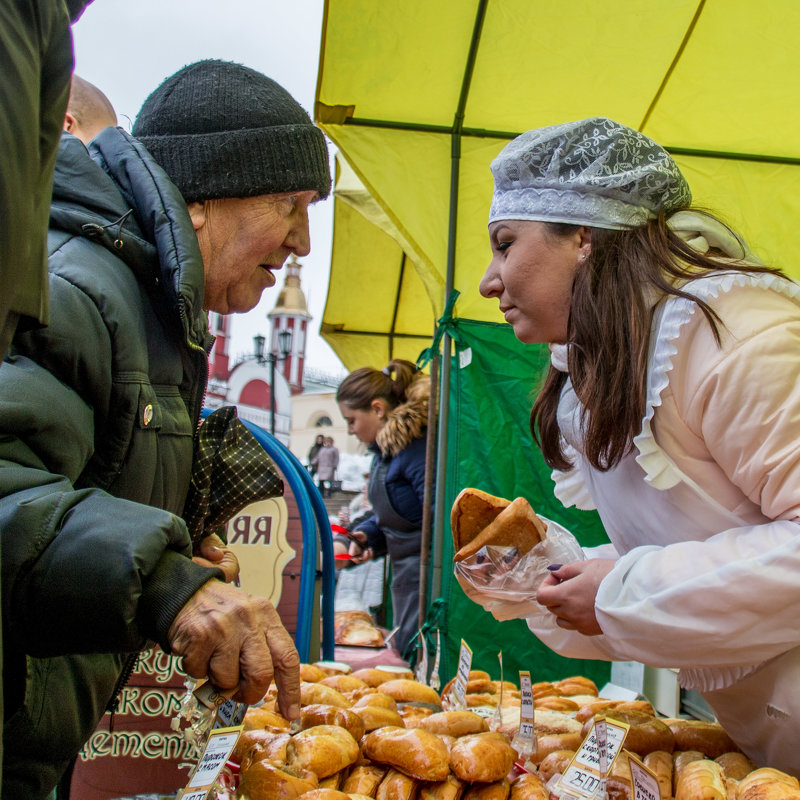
column 363, row 424
column 531, row 274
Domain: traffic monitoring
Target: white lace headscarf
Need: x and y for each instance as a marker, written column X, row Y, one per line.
column 593, row 172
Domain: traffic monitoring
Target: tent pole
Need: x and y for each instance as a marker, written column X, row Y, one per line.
column 444, row 392
column 430, row 466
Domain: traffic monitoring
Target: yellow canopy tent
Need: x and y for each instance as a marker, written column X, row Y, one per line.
column 420, row 95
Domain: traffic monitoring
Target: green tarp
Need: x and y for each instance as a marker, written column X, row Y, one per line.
column 494, row 379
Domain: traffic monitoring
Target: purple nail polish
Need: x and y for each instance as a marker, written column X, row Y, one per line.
column 555, row 567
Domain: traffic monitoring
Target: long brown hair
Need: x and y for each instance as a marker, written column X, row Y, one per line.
column 611, row 311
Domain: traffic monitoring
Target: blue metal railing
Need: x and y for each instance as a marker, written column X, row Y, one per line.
column 316, row 528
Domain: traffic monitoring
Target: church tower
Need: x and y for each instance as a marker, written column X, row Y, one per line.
column 291, row 314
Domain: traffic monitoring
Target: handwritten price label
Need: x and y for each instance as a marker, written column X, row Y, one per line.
column 462, row 676
column 525, row 740
column 218, row 749
column 586, row 773
column 645, row 782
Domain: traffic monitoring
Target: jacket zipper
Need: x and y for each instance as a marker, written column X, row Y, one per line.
column 127, row 670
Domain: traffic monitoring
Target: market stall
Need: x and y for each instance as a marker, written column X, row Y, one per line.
column 420, row 97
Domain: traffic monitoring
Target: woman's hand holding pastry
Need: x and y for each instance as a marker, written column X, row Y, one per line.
column 570, row 591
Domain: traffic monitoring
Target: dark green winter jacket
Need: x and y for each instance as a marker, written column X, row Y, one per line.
column 97, row 417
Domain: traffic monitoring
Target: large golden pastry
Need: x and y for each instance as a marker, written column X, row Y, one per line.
column 254, row 745
column 701, row 780
column 373, row 717
column 397, row 786
column 529, row 786
column 356, row 628
column 660, row 762
column 311, row 693
column 364, row 780
column 768, row 784
column 415, row 752
column 482, row 757
column 515, row 526
column 404, row 690
column 455, row 723
column 266, row 781
column 321, row 714
column 323, row 749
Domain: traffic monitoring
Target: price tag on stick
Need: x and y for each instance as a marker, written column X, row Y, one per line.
column 462, row 676
column 218, row 749
column 525, row 740
column 435, row 682
column 584, row 777
column 497, row 718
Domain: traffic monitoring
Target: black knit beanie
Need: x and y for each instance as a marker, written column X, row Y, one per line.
column 220, row 129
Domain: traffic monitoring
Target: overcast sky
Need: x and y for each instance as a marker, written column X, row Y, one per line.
column 128, row 48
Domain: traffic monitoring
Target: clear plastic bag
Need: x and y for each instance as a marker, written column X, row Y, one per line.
column 505, row 583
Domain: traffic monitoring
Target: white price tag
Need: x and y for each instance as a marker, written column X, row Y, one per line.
column 230, row 714
column 584, row 776
column 497, row 717
column 462, row 676
column 200, row 795
column 421, row 672
column 218, row 749
column 525, row 741
column 645, row 782
column 435, row 682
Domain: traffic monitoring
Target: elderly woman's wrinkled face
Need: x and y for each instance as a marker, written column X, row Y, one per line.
column 531, row 276
column 244, row 241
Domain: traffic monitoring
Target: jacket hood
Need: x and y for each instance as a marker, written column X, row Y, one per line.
column 408, row 421
column 115, row 194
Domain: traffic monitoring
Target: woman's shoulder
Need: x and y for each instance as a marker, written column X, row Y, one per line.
column 746, row 304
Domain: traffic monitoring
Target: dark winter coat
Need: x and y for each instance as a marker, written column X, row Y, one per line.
column 97, row 417
column 401, row 443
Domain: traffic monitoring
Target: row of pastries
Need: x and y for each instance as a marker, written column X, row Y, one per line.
column 378, row 733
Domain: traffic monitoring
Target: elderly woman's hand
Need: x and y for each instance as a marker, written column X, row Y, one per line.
column 570, row 591
column 237, row 639
column 213, row 552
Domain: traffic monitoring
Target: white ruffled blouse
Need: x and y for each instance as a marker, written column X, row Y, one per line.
column 705, row 511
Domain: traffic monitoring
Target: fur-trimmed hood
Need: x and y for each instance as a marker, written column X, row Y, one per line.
column 407, row 421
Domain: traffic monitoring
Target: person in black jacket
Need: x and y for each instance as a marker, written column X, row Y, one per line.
column 388, row 410
column 312, row 454
column 99, row 412
column 35, row 67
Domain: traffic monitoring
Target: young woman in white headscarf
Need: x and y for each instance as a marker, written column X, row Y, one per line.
column 672, row 406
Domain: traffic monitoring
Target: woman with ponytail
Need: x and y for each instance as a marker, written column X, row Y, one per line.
column 388, row 411
column 672, row 406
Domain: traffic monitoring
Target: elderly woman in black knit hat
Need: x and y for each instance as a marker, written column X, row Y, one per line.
column 108, row 543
